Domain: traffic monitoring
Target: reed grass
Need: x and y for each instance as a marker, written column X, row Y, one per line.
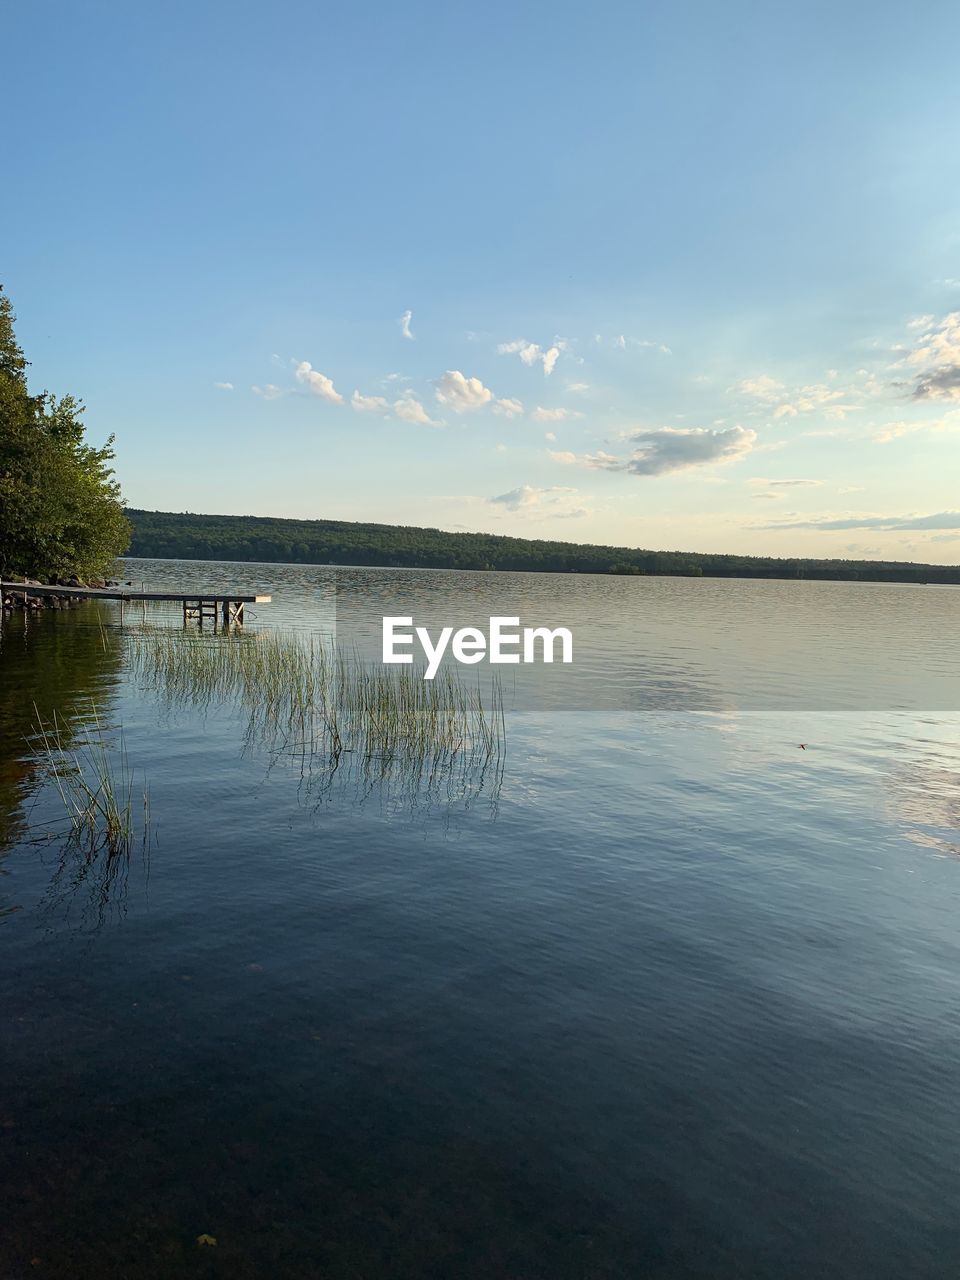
column 305, row 696
column 94, row 779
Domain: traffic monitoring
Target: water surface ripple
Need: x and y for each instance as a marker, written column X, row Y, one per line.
column 672, row 997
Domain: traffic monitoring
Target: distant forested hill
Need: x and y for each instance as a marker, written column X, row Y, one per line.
column 169, row 535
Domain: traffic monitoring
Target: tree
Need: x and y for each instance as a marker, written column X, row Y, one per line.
column 61, row 512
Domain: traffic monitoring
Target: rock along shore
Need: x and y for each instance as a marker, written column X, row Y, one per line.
column 35, row 604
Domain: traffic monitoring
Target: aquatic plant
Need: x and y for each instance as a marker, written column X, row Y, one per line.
column 331, row 710
column 93, row 777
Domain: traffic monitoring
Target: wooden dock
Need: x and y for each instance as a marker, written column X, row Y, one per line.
column 202, row 605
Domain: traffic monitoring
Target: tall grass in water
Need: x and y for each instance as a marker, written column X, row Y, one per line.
column 94, row 781
column 305, row 697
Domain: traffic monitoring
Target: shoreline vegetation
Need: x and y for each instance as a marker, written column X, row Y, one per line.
column 305, row 697
column 346, row 728
column 348, row 731
column 61, row 509
column 169, row 535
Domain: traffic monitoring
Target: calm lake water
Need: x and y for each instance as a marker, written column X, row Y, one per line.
column 663, row 994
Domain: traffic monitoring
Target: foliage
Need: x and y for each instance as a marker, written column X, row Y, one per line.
column 167, row 534
column 61, row 512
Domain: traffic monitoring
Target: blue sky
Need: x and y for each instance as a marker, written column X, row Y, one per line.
column 676, row 276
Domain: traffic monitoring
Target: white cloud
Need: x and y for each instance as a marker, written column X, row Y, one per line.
column 409, row 409
column 813, row 398
column 405, row 325
column 668, row 449
column 224, row 386
column 369, row 404
column 578, row 387
column 528, row 352
column 940, row 520
column 621, row 342
column 786, row 484
column 550, row 435
column 554, row 415
column 461, row 394
column 763, row 388
column 531, row 352
column 507, row 408
column 268, row 392
column 816, row 397
column 936, row 358
column 317, row 382
column 557, row 501
column 896, row 430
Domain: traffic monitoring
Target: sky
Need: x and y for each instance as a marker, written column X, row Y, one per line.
column 674, row 276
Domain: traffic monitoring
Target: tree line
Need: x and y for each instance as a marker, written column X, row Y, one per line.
column 172, row 535
column 61, row 513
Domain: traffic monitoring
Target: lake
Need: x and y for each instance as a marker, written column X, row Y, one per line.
column 671, row 988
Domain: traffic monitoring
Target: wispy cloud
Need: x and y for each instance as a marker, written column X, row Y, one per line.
column 763, row 388
column 224, row 386
column 621, row 342
column 939, row 520
column 268, row 392
column 897, row 430
column 556, row 501
column 815, row 398
column 554, row 415
column 668, row 449
column 461, row 394
column 405, row 320
column 318, row 383
column 531, row 352
column 785, row 484
column 508, row 408
column 409, row 409
column 785, row 403
column 369, row 404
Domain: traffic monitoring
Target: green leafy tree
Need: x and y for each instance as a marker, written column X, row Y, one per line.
column 61, row 512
